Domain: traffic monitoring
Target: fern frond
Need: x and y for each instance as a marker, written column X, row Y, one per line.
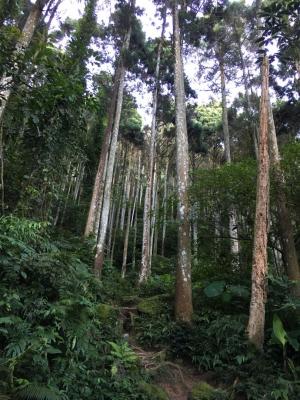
column 4, row 397
column 37, row 392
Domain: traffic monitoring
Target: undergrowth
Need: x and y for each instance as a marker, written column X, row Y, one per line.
column 54, row 344
column 58, row 342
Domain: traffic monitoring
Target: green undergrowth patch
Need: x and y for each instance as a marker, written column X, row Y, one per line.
column 60, row 334
column 216, row 340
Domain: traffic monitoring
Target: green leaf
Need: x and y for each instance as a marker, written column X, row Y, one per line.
column 9, row 320
column 37, row 392
column 279, row 330
column 226, row 297
column 294, row 343
column 114, row 370
column 53, row 350
column 215, row 289
column 239, row 291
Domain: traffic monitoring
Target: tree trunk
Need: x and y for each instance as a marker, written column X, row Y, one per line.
column 135, row 212
column 126, row 238
column 256, row 322
column 247, row 94
column 153, row 214
column 225, row 115
column 99, row 259
column 111, row 229
column 96, row 201
column 284, row 217
column 126, row 193
column 22, row 44
column 146, row 256
column 233, row 233
column 164, row 227
column 183, row 295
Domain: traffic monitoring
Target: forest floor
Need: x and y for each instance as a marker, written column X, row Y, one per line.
column 178, row 378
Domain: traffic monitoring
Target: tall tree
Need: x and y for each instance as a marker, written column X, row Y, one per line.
column 183, row 296
column 145, row 262
column 284, row 217
column 256, row 323
column 99, row 259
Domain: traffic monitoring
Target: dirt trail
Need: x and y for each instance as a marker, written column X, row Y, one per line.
column 176, row 379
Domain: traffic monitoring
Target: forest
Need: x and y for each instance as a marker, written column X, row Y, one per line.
column 149, row 200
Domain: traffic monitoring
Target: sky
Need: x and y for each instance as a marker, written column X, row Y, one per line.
column 151, row 25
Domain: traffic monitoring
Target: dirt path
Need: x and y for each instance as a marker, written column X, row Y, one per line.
column 176, row 379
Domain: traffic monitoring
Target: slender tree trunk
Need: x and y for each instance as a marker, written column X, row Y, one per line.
column 137, row 188
column 99, row 259
column 126, row 194
column 153, row 214
column 164, row 227
column 183, row 296
column 135, row 213
column 256, row 322
column 66, row 203
column 254, row 130
column 111, row 228
column 126, row 239
column 146, row 244
column 112, row 251
column 21, row 45
column 225, row 114
column 96, row 201
column 284, row 217
column 233, row 233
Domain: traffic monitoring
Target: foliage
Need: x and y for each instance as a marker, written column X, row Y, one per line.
column 54, row 345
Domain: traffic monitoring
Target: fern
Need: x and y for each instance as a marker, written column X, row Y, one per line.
column 35, row 391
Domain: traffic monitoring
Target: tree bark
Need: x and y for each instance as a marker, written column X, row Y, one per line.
column 99, row 259
column 247, row 94
column 256, row 322
column 284, row 217
column 164, row 227
column 233, row 232
column 183, row 295
column 96, row 201
column 145, row 269
column 126, row 239
column 225, row 114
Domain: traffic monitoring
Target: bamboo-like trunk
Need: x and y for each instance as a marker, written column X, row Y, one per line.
column 97, row 195
column 254, row 130
column 145, row 269
column 112, row 250
column 225, row 113
column 284, row 217
column 135, row 213
column 233, row 232
column 125, row 198
column 164, row 226
column 126, row 239
column 99, row 259
column 183, row 296
column 153, row 215
column 256, row 322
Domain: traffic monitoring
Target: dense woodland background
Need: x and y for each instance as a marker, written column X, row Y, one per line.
column 140, row 255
